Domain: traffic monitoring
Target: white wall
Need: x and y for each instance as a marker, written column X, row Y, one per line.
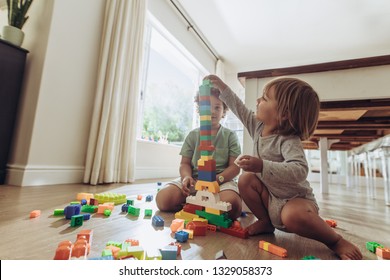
column 50, row 141
column 63, row 38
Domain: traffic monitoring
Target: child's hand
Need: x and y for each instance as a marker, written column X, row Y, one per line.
column 250, row 164
column 187, row 183
column 216, row 82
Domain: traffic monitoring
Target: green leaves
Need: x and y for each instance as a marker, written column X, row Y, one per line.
column 17, row 10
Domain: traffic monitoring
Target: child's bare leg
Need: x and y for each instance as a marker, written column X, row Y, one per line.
column 235, row 200
column 300, row 216
column 256, row 196
column 170, row 199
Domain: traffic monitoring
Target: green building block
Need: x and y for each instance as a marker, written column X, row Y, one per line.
column 133, row 211
column 89, row 208
column 107, row 212
column 74, row 202
column 130, row 202
column 148, row 212
column 106, row 252
column 58, row 212
column 371, row 246
column 218, row 220
column 310, row 258
column 114, row 243
column 76, row 220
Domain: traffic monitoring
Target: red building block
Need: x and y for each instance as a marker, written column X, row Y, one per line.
column 199, row 228
column 235, row 231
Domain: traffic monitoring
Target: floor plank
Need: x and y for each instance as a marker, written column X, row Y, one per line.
column 360, row 219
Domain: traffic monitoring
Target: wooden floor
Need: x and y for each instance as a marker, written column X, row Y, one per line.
column 359, row 218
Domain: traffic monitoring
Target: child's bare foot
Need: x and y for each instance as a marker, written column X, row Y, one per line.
column 346, row 250
column 259, row 227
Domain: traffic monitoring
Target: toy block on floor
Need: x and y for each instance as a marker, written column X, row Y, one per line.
column 132, row 251
column 331, row 223
column 310, row 258
column 80, row 249
column 103, row 207
column 134, row 210
column 178, row 245
column 64, row 250
column 86, row 196
column 94, row 202
column 76, row 220
column 116, row 198
column 87, row 233
column 125, row 208
column 148, row 212
column 35, row 213
column 72, row 210
column 220, row 255
column 372, row 246
column 58, row 212
column 177, row 225
column 169, row 252
column 181, row 236
column 107, row 212
column 153, row 255
column 157, row 221
column 132, row 242
column 273, row 249
column 89, row 208
column 199, row 228
column 149, row 198
column 383, row 253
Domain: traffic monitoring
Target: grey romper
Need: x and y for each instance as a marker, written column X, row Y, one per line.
column 285, row 168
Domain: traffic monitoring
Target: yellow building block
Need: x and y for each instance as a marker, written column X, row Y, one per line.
column 209, row 186
column 205, row 118
column 212, row 211
column 185, row 215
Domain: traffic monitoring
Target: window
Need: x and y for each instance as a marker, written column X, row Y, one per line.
column 170, row 81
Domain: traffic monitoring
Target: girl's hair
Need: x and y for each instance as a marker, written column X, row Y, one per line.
column 298, row 106
column 214, row 92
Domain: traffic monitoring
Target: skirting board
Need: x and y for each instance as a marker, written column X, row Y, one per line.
column 43, row 175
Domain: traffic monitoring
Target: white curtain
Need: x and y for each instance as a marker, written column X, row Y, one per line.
column 112, row 141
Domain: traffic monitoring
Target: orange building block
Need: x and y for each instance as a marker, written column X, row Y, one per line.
column 64, row 250
column 384, row 253
column 88, row 233
column 276, row 250
column 35, row 213
column 331, row 223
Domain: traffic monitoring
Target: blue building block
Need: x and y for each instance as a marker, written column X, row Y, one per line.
column 169, row 252
column 86, row 216
column 157, row 221
column 149, row 198
column 72, row 210
column 181, row 236
column 208, row 176
column 125, row 208
column 83, row 201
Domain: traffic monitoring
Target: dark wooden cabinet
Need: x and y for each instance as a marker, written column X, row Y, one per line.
column 12, row 64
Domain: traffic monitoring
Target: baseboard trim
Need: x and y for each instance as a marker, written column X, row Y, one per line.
column 23, row 176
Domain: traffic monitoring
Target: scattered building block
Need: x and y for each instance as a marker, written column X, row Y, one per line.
column 116, row 198
column 220, row 255
column 149, row 198
column 93, row 201
column 87, row 233
column 372, row 246
column 276, row 250
column 133, row 210
column 153, row 255
column 178, row 245
column 169, row 252
column 86, row 196
column 331, row 223
column 139, row 197
column 107, row 212
column 157, row 221
column 72, row 210
column 58, row 212
column 177, row 225
column 64, row 250
column 35, row 213
column 199, row 228
column 125, row 208
column 86, row 216
column 148, row 212
column 76, row 220
column 89, row 208
column 310, row 258
column 383, row 253
column 181, row 236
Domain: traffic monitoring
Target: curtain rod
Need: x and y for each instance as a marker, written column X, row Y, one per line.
column 190, row 26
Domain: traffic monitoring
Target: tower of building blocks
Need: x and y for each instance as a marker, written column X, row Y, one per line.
column 207, row 187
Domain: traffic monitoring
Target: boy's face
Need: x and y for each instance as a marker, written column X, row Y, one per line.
column 267, row 107
column 217, row 111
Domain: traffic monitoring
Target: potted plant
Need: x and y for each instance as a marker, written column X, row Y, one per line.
column 17, row 17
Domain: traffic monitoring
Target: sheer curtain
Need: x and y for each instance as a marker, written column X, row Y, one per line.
column 112, row 141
